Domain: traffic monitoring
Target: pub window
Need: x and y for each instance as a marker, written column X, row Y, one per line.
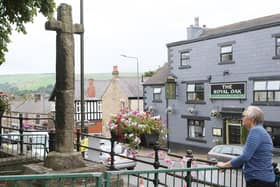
column 226, row 54
column 37, row 121
column 274, row 132
column 195, row 92
column 157, row 94
column 267, row 91
column 185, row 58
column 277, row 46
column 196, row 129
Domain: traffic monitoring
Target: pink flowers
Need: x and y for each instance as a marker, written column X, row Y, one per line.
column 129, row 126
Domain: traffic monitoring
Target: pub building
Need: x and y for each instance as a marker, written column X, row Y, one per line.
column 218, row 72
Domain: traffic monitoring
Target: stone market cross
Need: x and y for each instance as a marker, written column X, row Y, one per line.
column 65, row 76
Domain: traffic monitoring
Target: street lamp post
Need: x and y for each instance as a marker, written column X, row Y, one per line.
column 138, row 82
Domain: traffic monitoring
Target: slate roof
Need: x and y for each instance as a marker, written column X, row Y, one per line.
column 159, row 77
column 100, row 87
column 30, row 106
column 129, row 86
column 236, row 28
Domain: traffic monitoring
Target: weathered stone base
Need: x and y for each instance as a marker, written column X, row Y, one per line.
column 62, row 161
column 39, row 168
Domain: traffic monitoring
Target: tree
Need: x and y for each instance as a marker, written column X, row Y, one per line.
column 149, row 73
column 14, row 14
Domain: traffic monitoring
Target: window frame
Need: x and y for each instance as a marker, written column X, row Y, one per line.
column 157, row 95
column 37, row 121
column 186, row 59
column 196, row 123
column 226, row 53
column 277, row 45
column 196, row 92
column 266, row 91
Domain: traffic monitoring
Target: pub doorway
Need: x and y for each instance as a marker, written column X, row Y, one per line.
column 233, row 131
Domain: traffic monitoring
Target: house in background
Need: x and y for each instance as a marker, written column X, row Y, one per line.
column 157, row 92
column 32, row 109
column 219, row 72
column 155, row 100
column 121, row 93
column 93, row 92
column 104, row 98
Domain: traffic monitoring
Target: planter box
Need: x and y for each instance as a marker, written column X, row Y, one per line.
column 148, row 140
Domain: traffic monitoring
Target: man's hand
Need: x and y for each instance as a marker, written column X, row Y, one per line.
column 224, row 164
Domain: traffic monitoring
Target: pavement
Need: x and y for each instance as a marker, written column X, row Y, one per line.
column 150, row 153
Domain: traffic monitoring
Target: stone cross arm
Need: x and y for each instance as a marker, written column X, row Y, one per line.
column 62, row 27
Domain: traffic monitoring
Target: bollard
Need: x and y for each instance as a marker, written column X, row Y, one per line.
column 78, row 140
column 156, row 163
column 52, row 140
column 21, row 133
column 189, row 165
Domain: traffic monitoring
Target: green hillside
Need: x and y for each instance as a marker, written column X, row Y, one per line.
column 33, row 82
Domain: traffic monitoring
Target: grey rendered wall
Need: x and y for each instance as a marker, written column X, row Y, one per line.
column 252, row 53
column 159, row 108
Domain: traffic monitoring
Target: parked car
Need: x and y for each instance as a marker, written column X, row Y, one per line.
column 224, row 153
column 119, row 162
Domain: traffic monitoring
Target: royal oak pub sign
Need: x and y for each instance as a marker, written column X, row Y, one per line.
column 228, row 91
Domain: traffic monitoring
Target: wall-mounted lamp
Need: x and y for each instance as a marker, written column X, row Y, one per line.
column 209, row 78
column 226, row 72
column 151, row 109
column 192, row 110
column 169, row 109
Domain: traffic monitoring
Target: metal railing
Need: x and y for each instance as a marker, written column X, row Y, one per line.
column 21, row 141
column 57, row 179
column 27, row 145
column 205, row 176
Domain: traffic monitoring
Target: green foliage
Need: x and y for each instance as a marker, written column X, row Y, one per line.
column 16, row 13
column 149, row 73
column 3, row 105
column 21, row 84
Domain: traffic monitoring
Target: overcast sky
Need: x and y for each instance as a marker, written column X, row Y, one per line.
column 139, row 28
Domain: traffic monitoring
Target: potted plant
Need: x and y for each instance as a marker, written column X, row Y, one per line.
column 135, row 127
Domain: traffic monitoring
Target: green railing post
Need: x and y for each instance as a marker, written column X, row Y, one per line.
column 156, row 163
column 21, row 133
column 107, row 177
column 98, row 182
column 189, row 165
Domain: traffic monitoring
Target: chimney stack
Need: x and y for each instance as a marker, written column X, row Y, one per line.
column 115, row 73
column 196, row 21
column 194, row 31
column 91, row 88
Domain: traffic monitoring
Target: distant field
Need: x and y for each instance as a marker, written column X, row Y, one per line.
column 35, row 81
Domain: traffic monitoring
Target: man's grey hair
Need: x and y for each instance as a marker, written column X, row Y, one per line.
column 255, row 113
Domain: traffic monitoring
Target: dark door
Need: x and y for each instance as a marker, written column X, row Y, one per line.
column 234, row 134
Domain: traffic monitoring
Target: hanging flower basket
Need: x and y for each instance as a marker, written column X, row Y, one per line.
column 129, row 126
